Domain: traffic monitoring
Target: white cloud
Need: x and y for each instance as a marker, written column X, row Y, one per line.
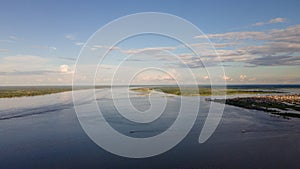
column 79, row 43
column 275, row 47
column 216, row 45
column 271, row 21
column 65, row 69
column 277, row 20
column 44, row 47
column 152, row 76
column 206, row 77
column 236, row 35
column 35, row 70
column 259, row 24
column 267, row 35
column 70, row 36
column 243, row 77
column 152, row 50
column 96, row 47
column 146, row 78
column 227, row 78
column 24, row 59
column 156, row 77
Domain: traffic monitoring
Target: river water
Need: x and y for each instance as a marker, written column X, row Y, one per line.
column 44, row 132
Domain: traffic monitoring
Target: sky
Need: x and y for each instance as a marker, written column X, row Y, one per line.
column 258, row 42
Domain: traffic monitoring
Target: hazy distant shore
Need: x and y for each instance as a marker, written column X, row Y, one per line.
column 203, row 91
column 285, row 104
column 26, row 91
column 22, row 91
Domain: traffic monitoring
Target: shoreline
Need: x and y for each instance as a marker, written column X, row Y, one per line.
column 282, row 105
column 30, row 91
column 12, row 93
column 285, row 105
column 203, row 91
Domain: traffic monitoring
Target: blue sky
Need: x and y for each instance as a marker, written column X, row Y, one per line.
column 40, row 40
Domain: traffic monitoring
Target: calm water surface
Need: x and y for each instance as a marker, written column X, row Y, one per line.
column 44, row 132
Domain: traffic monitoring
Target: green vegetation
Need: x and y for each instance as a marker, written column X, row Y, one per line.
column 202, row 91
column 22, row 91
column 144, row 90
column 281, row 105
column 30, row 91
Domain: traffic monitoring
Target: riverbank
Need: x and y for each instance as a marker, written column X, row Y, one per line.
column 10, row 92
column 283, row 105
column 202, row 91
column 26, row 91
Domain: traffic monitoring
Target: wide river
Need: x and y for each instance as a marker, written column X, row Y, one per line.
column 44, row 132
